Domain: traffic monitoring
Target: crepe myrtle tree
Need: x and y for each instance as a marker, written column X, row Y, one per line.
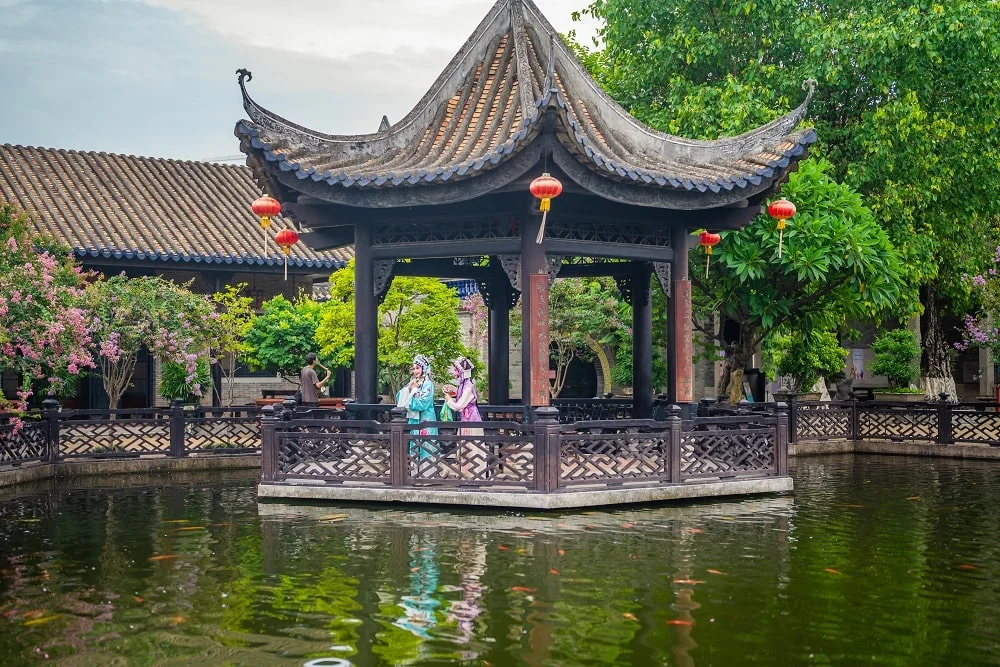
column 45, row 334
column 171, row 322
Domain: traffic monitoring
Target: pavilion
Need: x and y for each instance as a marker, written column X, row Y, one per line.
column 446, row 189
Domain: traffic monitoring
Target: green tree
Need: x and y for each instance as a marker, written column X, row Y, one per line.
column 838, row 266
column 906, row 109
column 236, row 317
column 583, row 317
column 169, row 320
column 897, row 357
column 417, row 316
column 283, row 334
column 806, row 357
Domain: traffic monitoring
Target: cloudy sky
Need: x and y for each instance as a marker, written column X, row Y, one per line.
column 157, row 77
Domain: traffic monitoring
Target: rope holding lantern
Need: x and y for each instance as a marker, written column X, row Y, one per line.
column 546, row 187
column 286, row 238
column 266, row 207
column 707, row 240
column 781, row 210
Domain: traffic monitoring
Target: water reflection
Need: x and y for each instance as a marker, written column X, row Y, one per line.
column 890, row 561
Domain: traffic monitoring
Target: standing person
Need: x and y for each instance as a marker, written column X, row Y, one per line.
column 465, row 400
column 311, row 385
column 417, row 398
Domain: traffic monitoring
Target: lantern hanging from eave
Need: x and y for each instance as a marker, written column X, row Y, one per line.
column 266, row 207
column 286, row 238
column 781, row 210
column 707, row 240
column 546, row 187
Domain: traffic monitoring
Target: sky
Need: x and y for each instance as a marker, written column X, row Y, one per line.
column 157, row 77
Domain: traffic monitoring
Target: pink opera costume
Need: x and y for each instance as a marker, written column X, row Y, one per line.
column 465, row 401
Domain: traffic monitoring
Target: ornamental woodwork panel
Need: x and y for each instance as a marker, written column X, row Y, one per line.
column 822, row 422
column 727, row 452
column 505, row 454
column 597, row 457
column 453, row 230
column 30, row 443
column 612, row 231
column 890, row 423
column 210, row 433
column 975, row 426
column 333, row 455
column 146, row 435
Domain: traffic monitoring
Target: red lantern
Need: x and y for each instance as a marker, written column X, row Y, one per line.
column 545, row 187
column 266, row 207
column 286, row 238
column 707, row 240
column 781, row 210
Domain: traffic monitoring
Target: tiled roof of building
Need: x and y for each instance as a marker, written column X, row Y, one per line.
column 106, row 205
column 489, row 104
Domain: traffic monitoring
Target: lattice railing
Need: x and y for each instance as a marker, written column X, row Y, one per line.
column 110, row 433
column 722, row 447
column 898, row 422
column 337, row 451
column 592, row 409
column 489, row 453
column 614, row 451
column 222, row 431
column 815, row 420
column 28, row 442
column 975, row 424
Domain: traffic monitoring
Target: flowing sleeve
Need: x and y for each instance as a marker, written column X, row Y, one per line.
column 462, row 401
column 423, row 398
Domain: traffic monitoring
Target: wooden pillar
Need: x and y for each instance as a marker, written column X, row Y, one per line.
column 365, row 318
column 681, row 349
column 535, row 316
column 642, row 342
column 499, row 341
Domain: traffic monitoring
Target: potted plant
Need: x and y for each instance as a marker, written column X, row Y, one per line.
column 174, row 381
column 897, row 357
column 806, row 358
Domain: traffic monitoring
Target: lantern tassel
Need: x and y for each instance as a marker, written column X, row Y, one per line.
column 286, row 267
column 708, row 258
column 264, row 246
column 541, row 228
column 781, row 238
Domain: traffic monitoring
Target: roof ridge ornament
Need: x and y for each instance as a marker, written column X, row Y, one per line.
column 550, row 69
column 384, row 125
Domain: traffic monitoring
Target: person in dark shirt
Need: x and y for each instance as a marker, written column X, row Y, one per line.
column 311, row 384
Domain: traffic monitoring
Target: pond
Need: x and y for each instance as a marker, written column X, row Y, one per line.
column 875, row 560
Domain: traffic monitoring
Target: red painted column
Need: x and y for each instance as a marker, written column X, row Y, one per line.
column 538, row 334
column 684, row 345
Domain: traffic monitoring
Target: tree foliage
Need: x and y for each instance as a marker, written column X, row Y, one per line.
column 906, row 106
column 283, row 334
column 417, row 316
column 169, row 320
column 806, row 356
column 837, row 266
column 236, row 317
column 45, row 335
column 897, row 357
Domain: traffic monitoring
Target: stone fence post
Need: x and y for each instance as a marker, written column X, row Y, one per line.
column 944, row 414
column 793, row 419
column 854, row 429
column 269, row 444
column 399, row 464
column 781, row 439
column 50, row 412
column 547, row 445
column 673, row 453
column 177, row 429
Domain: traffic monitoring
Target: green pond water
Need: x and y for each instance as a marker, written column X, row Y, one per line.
column 872, row 560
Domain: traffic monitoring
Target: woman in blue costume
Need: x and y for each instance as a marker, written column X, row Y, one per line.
column 417, row 398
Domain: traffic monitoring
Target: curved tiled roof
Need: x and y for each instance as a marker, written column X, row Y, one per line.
column 490, row 102
column 106, row 205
